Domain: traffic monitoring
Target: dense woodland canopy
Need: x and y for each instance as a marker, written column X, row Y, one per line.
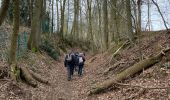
column 96, row 26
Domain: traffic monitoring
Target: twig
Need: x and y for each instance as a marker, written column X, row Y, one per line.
column 6, row 80
column 118, row 50
column 141, row 91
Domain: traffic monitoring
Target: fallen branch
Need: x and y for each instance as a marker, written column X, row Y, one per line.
column 116, row 52
column 128, row 72
column 141, row 91
column 5, row 79
column 138, row 86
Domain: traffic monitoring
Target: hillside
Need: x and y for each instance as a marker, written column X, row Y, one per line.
column 152, row 83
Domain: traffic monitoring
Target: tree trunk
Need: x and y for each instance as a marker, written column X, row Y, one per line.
column 139, row 16
column 52, row 23
column 29, row 10
column 3, row 11
column 62, row 19
column 149, row 17
column 129, row 22
column 58, row 23
column 68, row 16
column 74, row 30
column 105, row 19
column 99, row 22
column 15, row 32
column 90, row 36
column 33, row 42
column 135, row 15
column 115, row 35
column 81, row 22
column 128, row 72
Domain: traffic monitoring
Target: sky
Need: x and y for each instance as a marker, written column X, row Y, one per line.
column 156, row 19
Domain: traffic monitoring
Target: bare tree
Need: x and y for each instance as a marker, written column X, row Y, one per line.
column 58, row 18
column 139, row 16
column 89, row 8
column 15, row 31
column 105, row 19
column 114, row 22
column 99, row 20
column 52, row 23
column 34, row 39
column 75, row 29
column 129, row 22
column 68, row 15
column 3, row 11
column 62, row 18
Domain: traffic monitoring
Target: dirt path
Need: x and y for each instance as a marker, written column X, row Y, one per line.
column 76, row 89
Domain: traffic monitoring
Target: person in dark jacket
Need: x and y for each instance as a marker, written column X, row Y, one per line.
column 69, row 62
column 76, row 61
column 81, row 63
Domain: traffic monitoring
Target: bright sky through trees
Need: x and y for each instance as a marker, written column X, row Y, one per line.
column 156, row 21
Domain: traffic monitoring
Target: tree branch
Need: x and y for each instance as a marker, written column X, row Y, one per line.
column 160, row 14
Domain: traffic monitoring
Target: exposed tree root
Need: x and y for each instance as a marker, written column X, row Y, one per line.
column 12, row 71
column 22, row 73
column 129, row 72
column 27, row 76
column 38, row 78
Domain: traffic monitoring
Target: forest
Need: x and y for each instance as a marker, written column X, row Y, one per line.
column 84, row 49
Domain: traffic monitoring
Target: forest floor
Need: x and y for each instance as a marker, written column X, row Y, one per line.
column 157, row 76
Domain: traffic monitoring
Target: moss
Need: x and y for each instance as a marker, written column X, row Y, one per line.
column 51, row 51
column 15, row 72
column 34, row 50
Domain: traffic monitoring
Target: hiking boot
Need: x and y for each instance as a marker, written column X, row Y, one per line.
column 80, row 75
column 68, row 79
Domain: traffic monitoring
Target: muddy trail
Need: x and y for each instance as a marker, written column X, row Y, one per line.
column 95, row 65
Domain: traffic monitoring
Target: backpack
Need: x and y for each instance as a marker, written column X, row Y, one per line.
column 80, row 59
column 76, row 59
column 69, row 57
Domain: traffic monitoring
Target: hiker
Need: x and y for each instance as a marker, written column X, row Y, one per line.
column 69, row 62
column 81, row 63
